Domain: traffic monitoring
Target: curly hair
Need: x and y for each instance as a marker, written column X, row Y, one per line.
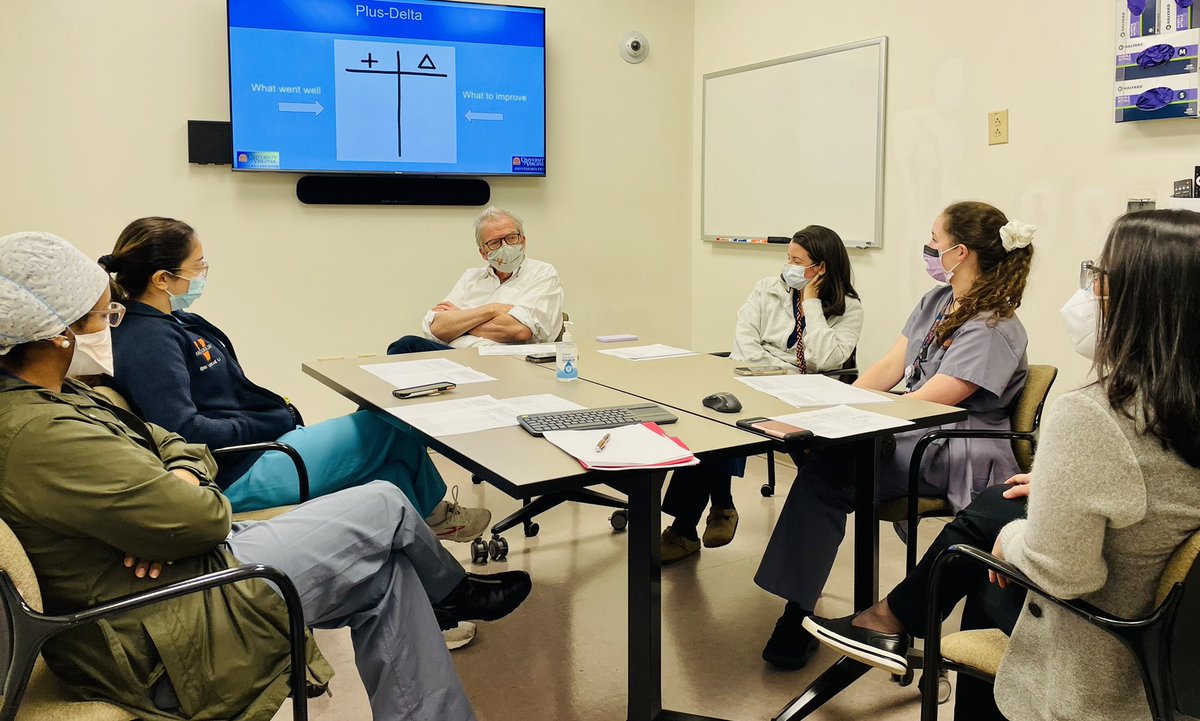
column 1002, row 273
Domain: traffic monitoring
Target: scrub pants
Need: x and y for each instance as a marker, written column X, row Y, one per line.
column 342, row 453
column 364, row 558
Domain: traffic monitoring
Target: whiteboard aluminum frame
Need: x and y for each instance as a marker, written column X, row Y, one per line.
column 882, row 42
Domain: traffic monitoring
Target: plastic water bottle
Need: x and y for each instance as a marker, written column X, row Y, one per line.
column 566, row 357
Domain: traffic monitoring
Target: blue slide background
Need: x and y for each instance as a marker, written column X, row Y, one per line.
column 496, row 50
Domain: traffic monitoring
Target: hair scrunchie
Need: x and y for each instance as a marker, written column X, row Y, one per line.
column 1016, row 234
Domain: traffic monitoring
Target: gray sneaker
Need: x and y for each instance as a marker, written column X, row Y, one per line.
column 452, row 522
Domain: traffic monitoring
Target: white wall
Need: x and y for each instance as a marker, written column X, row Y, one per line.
column 1068, row 167
column 96, row 98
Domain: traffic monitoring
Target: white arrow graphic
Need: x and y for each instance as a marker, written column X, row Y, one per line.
column 314, row 107
column 472, row 115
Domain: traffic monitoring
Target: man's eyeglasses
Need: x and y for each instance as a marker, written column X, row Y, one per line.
column 112, row 314
column 510, row 239
column 1089, row 273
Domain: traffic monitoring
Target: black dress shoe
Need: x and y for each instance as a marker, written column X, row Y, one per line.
column 483, row 598
column 888, row 651
column 790, row 646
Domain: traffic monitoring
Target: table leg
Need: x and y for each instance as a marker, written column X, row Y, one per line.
column 866, row 524
column 645, row 588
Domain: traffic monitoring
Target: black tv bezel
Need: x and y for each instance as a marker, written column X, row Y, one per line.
column 406, row 173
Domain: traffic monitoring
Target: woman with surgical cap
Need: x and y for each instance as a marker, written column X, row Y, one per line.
column 180, row 371
column 93, row 494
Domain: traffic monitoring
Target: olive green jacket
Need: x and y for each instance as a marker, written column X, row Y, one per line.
column 81, row 490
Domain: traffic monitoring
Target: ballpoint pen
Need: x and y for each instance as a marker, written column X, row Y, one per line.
column 603, row 442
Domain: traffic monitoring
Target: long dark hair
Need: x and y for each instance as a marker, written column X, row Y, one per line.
column 146, row 246
column 825, row 246
column 1147, row 344
column 1002, row 273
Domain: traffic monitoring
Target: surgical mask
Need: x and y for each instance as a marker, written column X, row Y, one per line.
column 195, row 288
column 933, row 263
column 507, row 258
column 93, row 354
column 793, row 275
column 1079, row 314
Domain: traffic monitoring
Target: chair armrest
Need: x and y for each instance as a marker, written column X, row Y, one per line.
column 45, row 627
column 292, row 453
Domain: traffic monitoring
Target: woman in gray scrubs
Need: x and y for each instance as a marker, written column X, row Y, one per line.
column 962, row 346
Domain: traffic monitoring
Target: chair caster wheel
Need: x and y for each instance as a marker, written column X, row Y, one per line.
column 903, row 680
column 531, row 530
column 479, row 552
column 944, row 686
column 498, row 549
column 619, row 520
column 766, row 490
column 476, row 479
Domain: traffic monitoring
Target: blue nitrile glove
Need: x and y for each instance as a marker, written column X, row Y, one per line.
column 1155, row 55
column 1137, row 7
column 1155, row 99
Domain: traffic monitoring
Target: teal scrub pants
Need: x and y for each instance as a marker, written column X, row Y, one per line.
column 342, row 453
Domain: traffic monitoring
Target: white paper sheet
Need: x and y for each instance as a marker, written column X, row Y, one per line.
column 648, row 352
column 842, row 421
column 518, row 350
column 628, row 446
column 406, row 374
column 480, row 413
column 809, row 390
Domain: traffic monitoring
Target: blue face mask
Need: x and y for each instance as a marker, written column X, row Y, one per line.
column 195, row 288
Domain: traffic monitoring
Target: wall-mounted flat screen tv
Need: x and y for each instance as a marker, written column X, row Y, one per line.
column 426, row 87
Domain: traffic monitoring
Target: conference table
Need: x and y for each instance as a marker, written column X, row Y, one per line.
column 523, row 467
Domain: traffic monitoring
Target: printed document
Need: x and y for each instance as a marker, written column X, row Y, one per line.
column 636, row 446
column 648, row 352
column 807, row 390
column 842, row 421
column 406, row 374
column 480, row 413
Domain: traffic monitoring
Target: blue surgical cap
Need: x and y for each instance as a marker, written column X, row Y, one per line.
column 1155, row 99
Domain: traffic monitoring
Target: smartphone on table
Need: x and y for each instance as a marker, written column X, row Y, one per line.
column 774, row 429
column 541, row 357
column 429, row 389
column 760, row 371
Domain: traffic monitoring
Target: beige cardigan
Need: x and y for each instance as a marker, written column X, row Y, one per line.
column 1108, row 508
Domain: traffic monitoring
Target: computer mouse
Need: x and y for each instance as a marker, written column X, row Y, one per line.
column 722, row 402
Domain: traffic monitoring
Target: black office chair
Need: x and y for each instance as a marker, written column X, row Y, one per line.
column 1163, row 642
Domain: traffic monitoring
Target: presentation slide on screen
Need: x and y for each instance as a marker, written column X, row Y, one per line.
column 412, row 87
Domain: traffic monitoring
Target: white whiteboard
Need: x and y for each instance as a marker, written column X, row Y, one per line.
column 794, row 142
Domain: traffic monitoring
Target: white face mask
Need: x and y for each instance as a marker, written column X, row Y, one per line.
column 1080, row 315
column 507, row 258
column 93, row 354
column 793, row 275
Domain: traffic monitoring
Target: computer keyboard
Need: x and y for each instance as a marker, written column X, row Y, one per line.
column 593, row 418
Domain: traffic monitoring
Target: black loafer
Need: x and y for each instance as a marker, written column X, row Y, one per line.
column 789, row 647
column 483, row 598
column 888, row 651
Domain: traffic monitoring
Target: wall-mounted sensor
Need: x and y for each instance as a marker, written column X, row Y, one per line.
column 634, row 47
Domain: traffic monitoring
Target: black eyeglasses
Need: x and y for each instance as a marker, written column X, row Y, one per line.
column 510, row 239
column 1089, row 273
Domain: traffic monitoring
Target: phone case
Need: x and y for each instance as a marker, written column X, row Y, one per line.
column 774, row 429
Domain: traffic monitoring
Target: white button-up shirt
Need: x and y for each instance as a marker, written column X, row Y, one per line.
column 532, row 290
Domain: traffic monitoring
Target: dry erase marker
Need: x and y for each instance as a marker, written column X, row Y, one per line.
column 603, row 442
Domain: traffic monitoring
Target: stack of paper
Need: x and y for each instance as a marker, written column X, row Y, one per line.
column 517, row 350
column 648, row 352
column 407, row 374
column 480, row 413
column 842, row 421
column 806, row 390
column 628, row 447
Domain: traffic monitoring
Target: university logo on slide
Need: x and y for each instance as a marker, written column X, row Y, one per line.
column 529, row 164
column 249, row 159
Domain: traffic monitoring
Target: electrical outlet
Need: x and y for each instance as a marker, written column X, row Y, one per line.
column 998, row 127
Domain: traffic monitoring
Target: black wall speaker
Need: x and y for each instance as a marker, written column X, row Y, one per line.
column 391, row 190
column 210, row 142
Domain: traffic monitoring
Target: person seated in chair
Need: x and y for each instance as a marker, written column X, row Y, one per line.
column 106, row 505
column 809, row 318
column 962, row 346
column 1115, row 491
column 512, row 299
column 179, row 371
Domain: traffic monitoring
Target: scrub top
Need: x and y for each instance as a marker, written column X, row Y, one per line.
column 985, row 352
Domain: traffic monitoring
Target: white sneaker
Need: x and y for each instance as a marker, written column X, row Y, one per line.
column 460, row 635
column 452, row 522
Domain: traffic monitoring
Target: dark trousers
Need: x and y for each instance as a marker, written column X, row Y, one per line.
column 988, row 605
column 414, row 344
column 690, row 489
